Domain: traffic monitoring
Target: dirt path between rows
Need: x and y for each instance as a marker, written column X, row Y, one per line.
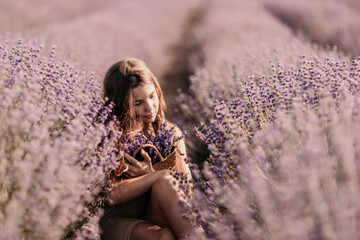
column 176, row 77
column 186, row 54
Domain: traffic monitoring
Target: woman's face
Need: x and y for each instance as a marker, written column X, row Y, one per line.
column 146, row 102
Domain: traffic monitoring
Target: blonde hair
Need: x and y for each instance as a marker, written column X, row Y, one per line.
column 119, row 80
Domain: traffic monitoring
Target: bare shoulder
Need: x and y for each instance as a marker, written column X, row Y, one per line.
column 177, row 130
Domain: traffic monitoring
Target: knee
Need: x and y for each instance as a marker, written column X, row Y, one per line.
column 165, row 234
column 164, row 182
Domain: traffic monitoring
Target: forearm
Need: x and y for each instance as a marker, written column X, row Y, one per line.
column 128, row 189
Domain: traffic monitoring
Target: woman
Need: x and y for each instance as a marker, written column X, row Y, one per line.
column 139, row 106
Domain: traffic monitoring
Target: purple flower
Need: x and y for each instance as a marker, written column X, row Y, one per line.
column 164, row 140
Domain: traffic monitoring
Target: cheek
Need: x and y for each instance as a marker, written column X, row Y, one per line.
column 137, row 110
column 156, row 105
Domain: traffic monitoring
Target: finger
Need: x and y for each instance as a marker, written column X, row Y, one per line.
column 131, row 160
column 145, row 156
column 131, row 172
column 133, row 169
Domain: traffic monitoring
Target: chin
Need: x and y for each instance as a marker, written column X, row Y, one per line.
column 148, row 121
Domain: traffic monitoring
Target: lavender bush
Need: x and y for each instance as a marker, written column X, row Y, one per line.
column 298, row 179
column 51, row 127
column 258, row 98
column 238, row 75
column 241, row 30
column 226, row 78
column 274, row 120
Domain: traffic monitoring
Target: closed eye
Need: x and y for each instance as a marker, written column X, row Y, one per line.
column 140, row 101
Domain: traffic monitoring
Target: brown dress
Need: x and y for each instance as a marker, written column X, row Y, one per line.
column 115, row 223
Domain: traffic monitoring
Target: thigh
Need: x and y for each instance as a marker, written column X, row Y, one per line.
column 155, row 213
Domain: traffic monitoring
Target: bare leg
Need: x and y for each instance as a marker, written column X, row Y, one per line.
column 165, row 208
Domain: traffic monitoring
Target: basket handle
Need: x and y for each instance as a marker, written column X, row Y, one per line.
column 151, row 146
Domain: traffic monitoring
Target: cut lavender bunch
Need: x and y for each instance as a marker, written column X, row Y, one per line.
column 164, row 140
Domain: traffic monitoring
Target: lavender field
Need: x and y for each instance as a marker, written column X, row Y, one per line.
column 268, row 92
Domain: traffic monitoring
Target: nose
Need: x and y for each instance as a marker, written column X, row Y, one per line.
column 147, row 106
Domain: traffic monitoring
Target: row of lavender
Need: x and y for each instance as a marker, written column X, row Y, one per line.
column 280, row 118
column 51, row 164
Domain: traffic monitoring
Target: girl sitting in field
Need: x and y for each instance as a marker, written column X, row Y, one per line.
column 139, row 109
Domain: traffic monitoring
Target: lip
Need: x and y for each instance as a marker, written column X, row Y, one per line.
column 148, row 116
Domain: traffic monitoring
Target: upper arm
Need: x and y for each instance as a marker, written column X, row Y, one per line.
column 181, row 163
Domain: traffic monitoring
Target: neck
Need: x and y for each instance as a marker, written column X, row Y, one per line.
column 146, row 127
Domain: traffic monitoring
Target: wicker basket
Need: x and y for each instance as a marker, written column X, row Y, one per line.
column 169, row 162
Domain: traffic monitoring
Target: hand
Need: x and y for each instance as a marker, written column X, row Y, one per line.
column 137, row 168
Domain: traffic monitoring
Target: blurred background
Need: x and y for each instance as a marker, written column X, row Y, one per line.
column 92, row 35
column 174, row 37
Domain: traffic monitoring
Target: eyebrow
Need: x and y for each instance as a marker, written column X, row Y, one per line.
column 139, row 100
